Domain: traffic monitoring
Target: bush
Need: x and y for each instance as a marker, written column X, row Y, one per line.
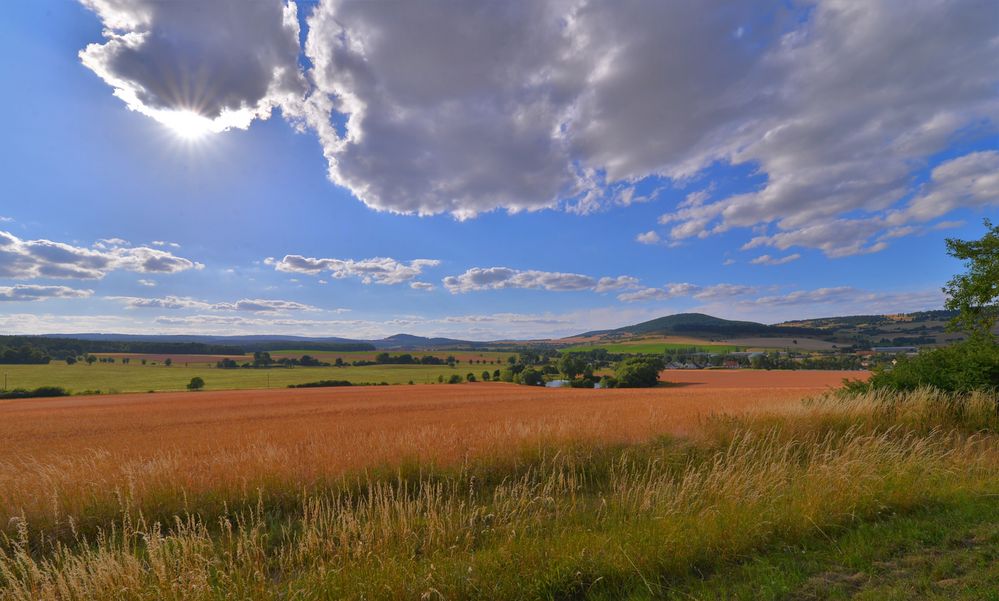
column 454, row 379
column 321, row 384
column 196, row 383
column 41, row 391
column 962, row 367
column 640, row 372
column 529, row 377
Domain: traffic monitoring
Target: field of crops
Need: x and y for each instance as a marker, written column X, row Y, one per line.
column 497, row 491
column 490, row 357
column 655, row 347
column 134, row 377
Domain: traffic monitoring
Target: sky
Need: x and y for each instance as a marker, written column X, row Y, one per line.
column 486, row 170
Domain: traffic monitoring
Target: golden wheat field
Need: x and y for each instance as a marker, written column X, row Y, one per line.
column 474, row 491
column 64, row 452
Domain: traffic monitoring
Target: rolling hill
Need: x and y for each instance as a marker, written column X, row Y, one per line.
column 694, row 324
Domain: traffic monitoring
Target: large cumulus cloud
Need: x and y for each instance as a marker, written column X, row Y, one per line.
column 226, row 61
column 442, row 106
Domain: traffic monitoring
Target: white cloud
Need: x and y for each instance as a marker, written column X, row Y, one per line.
column 495, row 278
column 841, row 300
column 28, row 292
column 205, row 65
column 768, row 260
column 843, row 125
column 650, row 237
column 27, row 259
column 427, row 286
column 685, row 289
column 258, row 305
column 162, row 243
column 377, row 270
column 246, row 304
column 968, row 181
column 462, row 108
column 147, row 283
column 808, row 297
column 6, row 219
column 644, row 294
column 166, row 302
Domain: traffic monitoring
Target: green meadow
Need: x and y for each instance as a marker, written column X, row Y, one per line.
column 648, row 348
column 141, row 378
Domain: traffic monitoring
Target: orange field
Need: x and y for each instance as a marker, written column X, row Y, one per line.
column 752, row 378
column 75, row 451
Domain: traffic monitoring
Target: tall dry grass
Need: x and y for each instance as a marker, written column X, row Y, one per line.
column 569, row 520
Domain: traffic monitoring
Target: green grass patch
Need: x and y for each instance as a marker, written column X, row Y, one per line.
column 651, row 348
column 134, row 377
column 946, row 550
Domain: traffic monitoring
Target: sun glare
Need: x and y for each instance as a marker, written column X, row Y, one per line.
column 187, row 124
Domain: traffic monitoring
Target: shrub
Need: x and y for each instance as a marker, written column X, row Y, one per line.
column 41, row 391
column 639, row 372
column 454, row 379
column 529, row 377
column 196, row 383
column 321, row 384
column 962, row 367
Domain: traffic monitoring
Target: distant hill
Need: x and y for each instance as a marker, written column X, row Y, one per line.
column 910, row 329
column 693, row 324
column 236, row 344
column 921, row 328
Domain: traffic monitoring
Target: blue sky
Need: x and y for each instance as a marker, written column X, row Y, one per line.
column 789, row 167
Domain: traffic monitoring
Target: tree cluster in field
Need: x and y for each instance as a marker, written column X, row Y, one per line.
column 322, row 384
column 42, row 391
column 766, row 360
column 23, row 355
column 63, row 348
column 263, row 360
column 969, row 365
column 409, row 359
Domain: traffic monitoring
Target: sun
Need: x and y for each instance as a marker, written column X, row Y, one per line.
column 187, row 125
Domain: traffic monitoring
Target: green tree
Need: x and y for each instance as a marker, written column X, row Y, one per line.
column 470, row 377
column 70, row 360
column 196, row 383
column 571, row 365
column 485, row 376
column 639, row 372
column 90, row 359
column 168, row 362
column 975, row 293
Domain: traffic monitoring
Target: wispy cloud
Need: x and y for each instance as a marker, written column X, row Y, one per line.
column 377, row 270
column 29, row 259
column 498, row 278
column 28, row 292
